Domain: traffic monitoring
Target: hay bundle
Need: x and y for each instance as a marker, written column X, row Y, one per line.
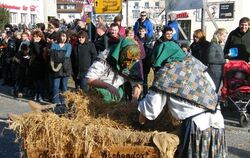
column 88, row 125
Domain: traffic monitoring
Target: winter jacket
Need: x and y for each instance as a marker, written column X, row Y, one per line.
column 61, row 55
column 147, row 23
column 215, row 54
column 215, row 61
column 83, row 56
column 37, row 62
column 239, row 40
column 200, row 50
column 101, row 43
column 174, row 25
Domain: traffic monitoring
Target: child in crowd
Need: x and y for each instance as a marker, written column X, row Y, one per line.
column 185, row 47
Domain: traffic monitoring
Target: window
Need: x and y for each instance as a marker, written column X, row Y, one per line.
column 24, row 18
column 155, row 15
column 136, row 6
column 136, row 14
column 147, row 5
column 163, row 17
column 32, row 19
column 72, row 16
column 186, row 26
column 157, row 5
column 13, row 18
column 61, row 6
column 71, row 6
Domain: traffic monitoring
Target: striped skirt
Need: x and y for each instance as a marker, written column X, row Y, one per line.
column 209, row 143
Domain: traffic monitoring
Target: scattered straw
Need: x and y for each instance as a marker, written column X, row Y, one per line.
column 89, row 124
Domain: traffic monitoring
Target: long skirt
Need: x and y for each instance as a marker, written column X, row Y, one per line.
column 209, row 143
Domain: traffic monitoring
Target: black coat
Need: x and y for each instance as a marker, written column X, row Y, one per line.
column 37, row 62
column 83, row 57
column 200, row 50
column 101, row 43
column 239, row 40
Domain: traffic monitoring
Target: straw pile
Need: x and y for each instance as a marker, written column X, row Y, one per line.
column 89, row 124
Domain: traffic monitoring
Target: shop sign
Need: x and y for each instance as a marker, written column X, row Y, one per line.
column 87, row 8
column 219, row 11
column 182, row 15
column 25, row 8
column 90, row 1
column 32, row 8
column 9, row 6
column 226, row 11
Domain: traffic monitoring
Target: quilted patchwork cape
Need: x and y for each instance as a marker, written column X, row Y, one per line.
column 187, row 80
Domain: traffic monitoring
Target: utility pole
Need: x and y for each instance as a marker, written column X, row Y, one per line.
column 166, row 12
column 127, row 12
column 203, row 27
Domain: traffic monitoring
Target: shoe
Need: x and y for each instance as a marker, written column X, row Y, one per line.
column 20, row 95
column 12, row 92
column 40, row 100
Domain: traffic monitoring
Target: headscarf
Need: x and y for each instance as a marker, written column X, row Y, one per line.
column 114, row 55
column 168, row 52
column 125, row 58
column 129, row 55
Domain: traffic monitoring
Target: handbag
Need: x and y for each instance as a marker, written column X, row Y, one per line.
column 58, row 56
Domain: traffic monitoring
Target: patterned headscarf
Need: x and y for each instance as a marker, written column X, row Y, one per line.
column 129, row 55
column 125, row 58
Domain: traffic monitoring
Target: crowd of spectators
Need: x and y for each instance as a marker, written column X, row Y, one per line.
column 115, row 60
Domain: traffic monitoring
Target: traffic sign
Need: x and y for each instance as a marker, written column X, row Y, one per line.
column 108, row 6
column 87, row 8
column 90, row 1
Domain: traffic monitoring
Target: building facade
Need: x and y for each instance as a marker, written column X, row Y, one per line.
column 29, row 12
column 154, row 9
column 226, row 14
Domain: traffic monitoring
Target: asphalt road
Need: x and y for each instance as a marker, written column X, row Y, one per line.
column 238, row 139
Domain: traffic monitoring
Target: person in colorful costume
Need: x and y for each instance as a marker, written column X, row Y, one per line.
column 182, row 83
column 115, row 66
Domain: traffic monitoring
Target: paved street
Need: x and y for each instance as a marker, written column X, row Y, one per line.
column 238, row 138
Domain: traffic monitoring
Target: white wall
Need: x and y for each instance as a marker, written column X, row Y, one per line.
column 50, row 9
column 241, row 9
column 44, row 8
column 26, row 3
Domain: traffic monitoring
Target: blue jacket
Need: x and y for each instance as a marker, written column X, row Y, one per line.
column 147, row 23
column 174, row 25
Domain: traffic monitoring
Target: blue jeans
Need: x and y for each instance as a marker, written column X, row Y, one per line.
column 83, row 84
column 56, row 85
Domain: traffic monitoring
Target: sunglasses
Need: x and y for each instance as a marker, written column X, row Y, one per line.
column 143, row 15
column 81, row 37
